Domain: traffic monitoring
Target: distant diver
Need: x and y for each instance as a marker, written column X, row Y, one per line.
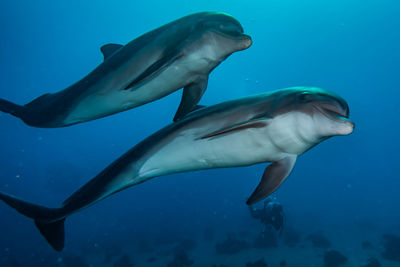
column 271, row 214
column 272, row 127
column 180, row 54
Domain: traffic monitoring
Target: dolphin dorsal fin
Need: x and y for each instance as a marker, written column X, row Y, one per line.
column 109, row 49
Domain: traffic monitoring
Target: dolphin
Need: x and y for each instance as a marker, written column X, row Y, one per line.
column 273, row 127
column 180, row 54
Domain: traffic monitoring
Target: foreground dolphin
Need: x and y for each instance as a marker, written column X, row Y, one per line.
column 180, row 54
column 273, row 127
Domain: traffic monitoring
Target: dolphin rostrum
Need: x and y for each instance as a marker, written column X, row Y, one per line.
column 273, row 127
column 180, row 54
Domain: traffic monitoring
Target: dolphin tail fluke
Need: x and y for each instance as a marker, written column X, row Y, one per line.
column 11, row 108
column 49, row 221
column 53, row 233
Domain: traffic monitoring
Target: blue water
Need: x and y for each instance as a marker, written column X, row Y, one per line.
column 346, row 187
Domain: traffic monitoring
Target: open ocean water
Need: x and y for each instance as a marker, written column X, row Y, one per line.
column 340, row 203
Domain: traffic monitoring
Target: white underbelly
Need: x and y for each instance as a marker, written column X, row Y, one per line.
column 184, row 153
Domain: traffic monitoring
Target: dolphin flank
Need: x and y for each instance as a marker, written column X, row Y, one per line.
column 180, row 54
column 273, row 127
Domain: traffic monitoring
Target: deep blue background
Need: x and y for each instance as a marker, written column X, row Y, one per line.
column 349, row 47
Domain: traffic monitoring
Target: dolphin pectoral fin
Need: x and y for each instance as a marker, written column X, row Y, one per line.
column 273, row 177
column 254, row 123
column 191, row 95
column 109, row 49
column 166, row 60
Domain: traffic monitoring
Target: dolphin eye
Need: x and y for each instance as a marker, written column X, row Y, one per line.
column 229, row 29
column 304, row 97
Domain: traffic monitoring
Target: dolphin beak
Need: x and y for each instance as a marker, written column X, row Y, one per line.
column 247, row 41
column 340, row 114
column 346, row 128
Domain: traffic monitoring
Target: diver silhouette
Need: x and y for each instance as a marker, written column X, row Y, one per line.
column 271, row 214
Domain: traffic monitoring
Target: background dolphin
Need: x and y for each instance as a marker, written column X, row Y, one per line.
column 180, row 54
column 272, row 127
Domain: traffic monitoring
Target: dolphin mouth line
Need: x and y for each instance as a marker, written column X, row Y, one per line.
column 332, row 114
column 240, row 36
